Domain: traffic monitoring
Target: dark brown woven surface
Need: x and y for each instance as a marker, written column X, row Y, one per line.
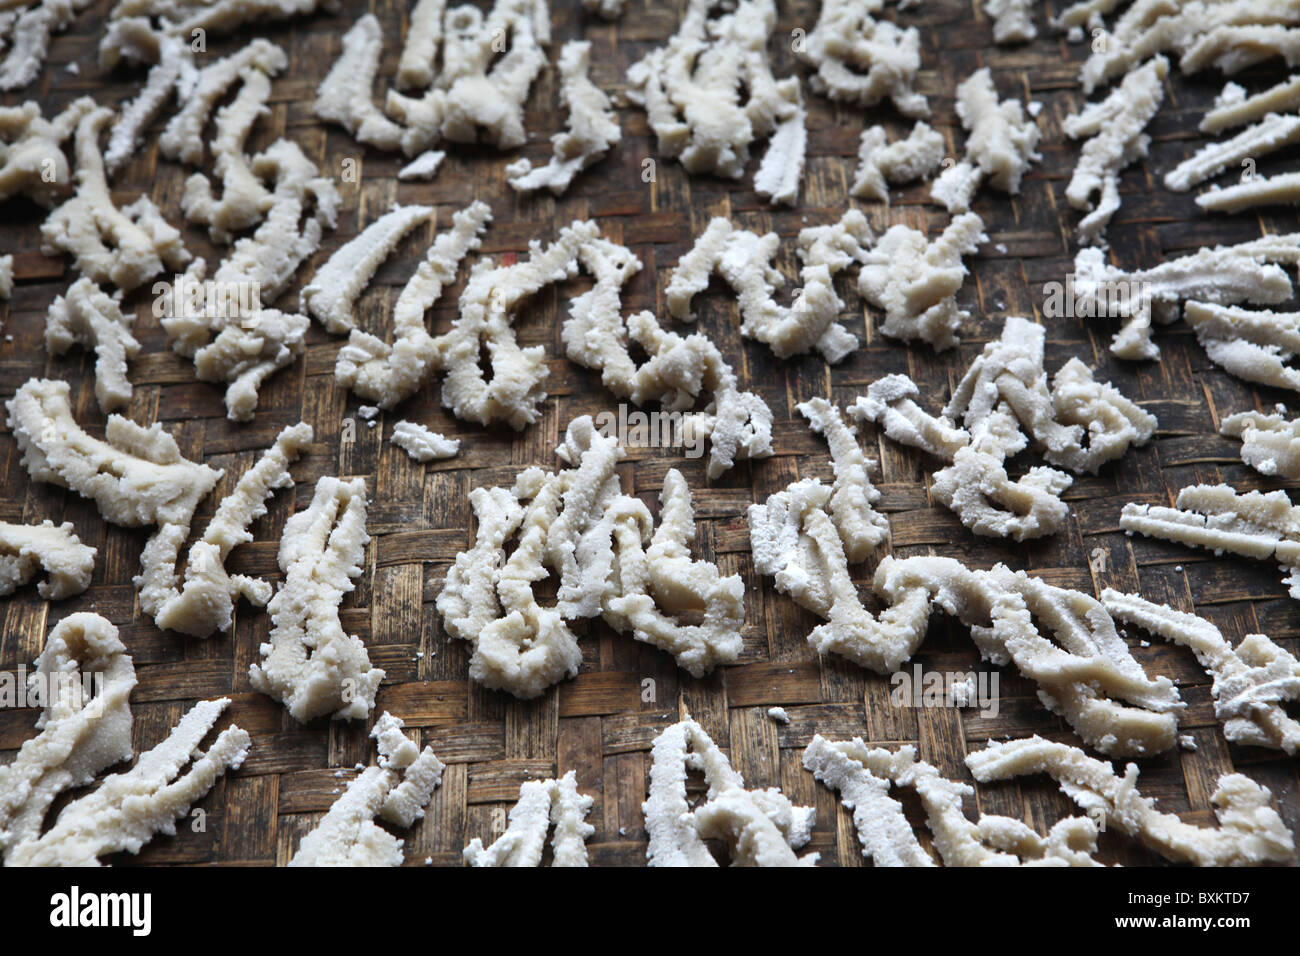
column 600, row 724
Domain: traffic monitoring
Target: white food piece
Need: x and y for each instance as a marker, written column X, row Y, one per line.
column 1115, row 127
column 1281, row 190
column 778, row 714
column 31, row 159
column 424, row 167
column 1255, row 524
column 422, row 444
column 332, row 293
column 1269, row 443
column 543, row 805
column 174, row 71
column 26, row 549
column 343, row 97
column 1223, row 275
column 1270, row 134
column 86, row 316
column 691, row 89
column 915, row 281
column 387, row 374
column 1251, row 681
column 759, row 827
column 415, row 68
column 80, row 734
column 1249, row 832
column 778, row 175
column 1254, row 345
column 310, row 663
column 592, row 130
column 863, row 776
column 1238, row 110
column 862, row 529
column 1000, row 145
column 861, row 60
column 125, row 246
column 398, row 790
column 914, row 157
column 488, row 66
column 1083, row 13
column 6, row 276
column 28, row 34
column 1013, row 20
column 205, row 602
column 1231, row 49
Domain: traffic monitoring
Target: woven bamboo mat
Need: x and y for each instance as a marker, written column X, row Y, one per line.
column 601, row 724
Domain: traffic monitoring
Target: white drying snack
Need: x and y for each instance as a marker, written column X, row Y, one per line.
column 129, row 808
column 1249, row 832
column 1013, row 20
column 1270, row 134
column 1254, row 345
column 1256, row 524
column 1231, row 49
column 397, row 791
column 422, row 444
column 880, row 162
column 759, row 827
column 1223, row 275
column 1269, row 443
column 593, row 128
column 692, row 90
column 1252, row 681
column 915, row 281
column 863, row 775
column 343, row 97
column 423, row 167
column 862, row 529
column 1116, row 138
column 80, row 734
column 205, row 602
column 28, row 28
column 1234, row 108
column 861, row 60
column 1280, row 190
column 32, row 163
column 175, row 70
column 385, row 373
column 126, row 246
column 1000, row 145
column 542, row 805
column 85, row 315
column 332, row 293
column 310, row 663
column 26, row 549
column 488, row 65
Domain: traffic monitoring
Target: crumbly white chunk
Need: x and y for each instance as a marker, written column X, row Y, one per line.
column 26, row 549
column 398, row 790
column 205, row 602
column 915, row 281
column 1116, row 138
column 80, row 734
column 542, row 805
column 488, row 65
column 863, row 775
column 1251, row 681
column 332, row 292
column 137, row 28
column 1269, row 443
column 85, row 315
column 779, row 714
column 1255, row 524
column 759, row 827
column 1280, row 190
column 861, row 528
column 778, row 175
column 1000, row 144
column 126, row 246
column 1249, row 832
column 244, row 356
column 422, row 444
column 385, row 373
column 1224, row 275
column 709, row 94
column 415, row 68
column 1013, row 20
column 310, row 663
column 592, row 130
column 28, row 34
column 1230, row 49
column 1270, row 134
column 343, row 97
column 423, row 168
column 861, row 60
column 1254, row 345
column 1238, row 110
column 174, row 71
column 6, row 276
column 880, row 162
column 129, row 809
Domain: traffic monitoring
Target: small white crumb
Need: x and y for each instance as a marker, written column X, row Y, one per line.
column 622, row 831
column 367, row 412
column 1001, row 248
column 371, row 424
column 73, row 68
column 1035, row 108
column 425, row 166
column 778, row 714
column 1187, row 741
column 428, row 861
column 1178, row 568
